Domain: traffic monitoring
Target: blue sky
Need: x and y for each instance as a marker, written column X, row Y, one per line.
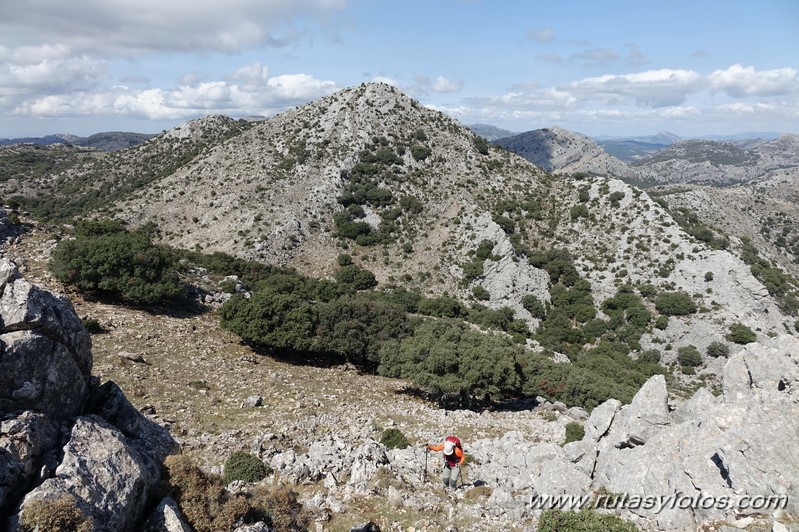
column 600, row 68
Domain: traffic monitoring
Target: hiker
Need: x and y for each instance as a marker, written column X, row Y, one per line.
column 453, row 459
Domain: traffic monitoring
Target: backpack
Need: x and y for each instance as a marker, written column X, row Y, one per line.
column 456, row 441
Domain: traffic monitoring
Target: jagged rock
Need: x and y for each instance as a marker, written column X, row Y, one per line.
column 105, row 474
column 25, row 307
column 600, row 419
column 582, row 454
column 152, row 442
column 254, row 401
column 644, row 416
column 739, row 444
column 260, row 526
column 559, row 478
column 46, row 352
column 167, row 518
column 24, row 440
column 37, row 373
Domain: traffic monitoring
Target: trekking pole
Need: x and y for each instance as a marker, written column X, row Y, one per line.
column 424, row 477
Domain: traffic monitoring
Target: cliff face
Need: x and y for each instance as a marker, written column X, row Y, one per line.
column 61, row 433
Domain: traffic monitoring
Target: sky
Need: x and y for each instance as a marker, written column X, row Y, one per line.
column 601, row 68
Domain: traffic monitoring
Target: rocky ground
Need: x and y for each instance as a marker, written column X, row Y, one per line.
column 317, row 428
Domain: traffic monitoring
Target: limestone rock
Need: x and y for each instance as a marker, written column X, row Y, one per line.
column 24, row 440
column 167, row 518
column 107, row 477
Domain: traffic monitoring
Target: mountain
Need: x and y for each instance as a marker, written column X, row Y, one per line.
column 587, row 275
column 410, row 194
column 491, row 133
column 630, row 150
column 557, row 150
column 722, row 163
column 107, row 141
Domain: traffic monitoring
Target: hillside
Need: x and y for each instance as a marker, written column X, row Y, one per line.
column 557, row 150
column 598, row 289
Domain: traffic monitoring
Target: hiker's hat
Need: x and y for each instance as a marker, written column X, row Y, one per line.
column 449, row 447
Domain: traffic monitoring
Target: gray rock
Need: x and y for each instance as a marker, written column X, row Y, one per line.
column 167, row 518
column 561, row 478
column 644, row 416
column 25, row 307
column 254, row 401
column 37, row 373
column 24, row 440
column 152, row 442
column 105, row 475
column 600, row 419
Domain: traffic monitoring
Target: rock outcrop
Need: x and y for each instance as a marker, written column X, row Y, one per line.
column 712, row 459
column 60, row 433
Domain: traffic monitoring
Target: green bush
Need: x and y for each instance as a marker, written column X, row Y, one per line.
column 675, row 304
column 244, row 466
column 119, row 264
column 356, row 277
column 708, row 276
column 689, row 356
column 93, row 326
column 662, row 322
column 650, row 355
column 582, row 521
column 718, row 349
column 574, row 432
column 55, row 515
column 534, row 306
column 741, row 334
column 394, row 439
column 480, row 293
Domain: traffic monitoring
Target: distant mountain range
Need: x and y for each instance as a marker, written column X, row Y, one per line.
column 107, row 141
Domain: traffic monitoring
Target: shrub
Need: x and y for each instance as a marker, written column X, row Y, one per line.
column 675, row 304
column 689, row 356
column 574, row 432
column 741, row 334
column 93, row 326
column 202, row 499
column 534, row 306
column 708, row 276
column 394, row 439
column 118, row 264
column 650, row 355
column 55, row 515
column 662, row 322
column 420, row 153
column 356, row 277
column 718, row 349
column 480, row 293
column 579, row 211
column 244, row 466
column 582, row 521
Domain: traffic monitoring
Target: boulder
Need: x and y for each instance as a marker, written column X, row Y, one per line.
column 103, row 472
column 24, row 440
column 167, row 518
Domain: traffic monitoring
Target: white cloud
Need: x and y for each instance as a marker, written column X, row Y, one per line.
column 541, row 35
column 125, row 27
column 653, row 88
column 739, row 81
column 257, row 93
column 443, row 85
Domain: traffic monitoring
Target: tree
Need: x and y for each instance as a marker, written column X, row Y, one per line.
column 675, row 304
column 270, row 319
column 108, row 260
column 450, row 358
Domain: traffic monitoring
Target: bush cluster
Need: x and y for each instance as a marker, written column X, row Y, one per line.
column 108, row 260
column 574, row 432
